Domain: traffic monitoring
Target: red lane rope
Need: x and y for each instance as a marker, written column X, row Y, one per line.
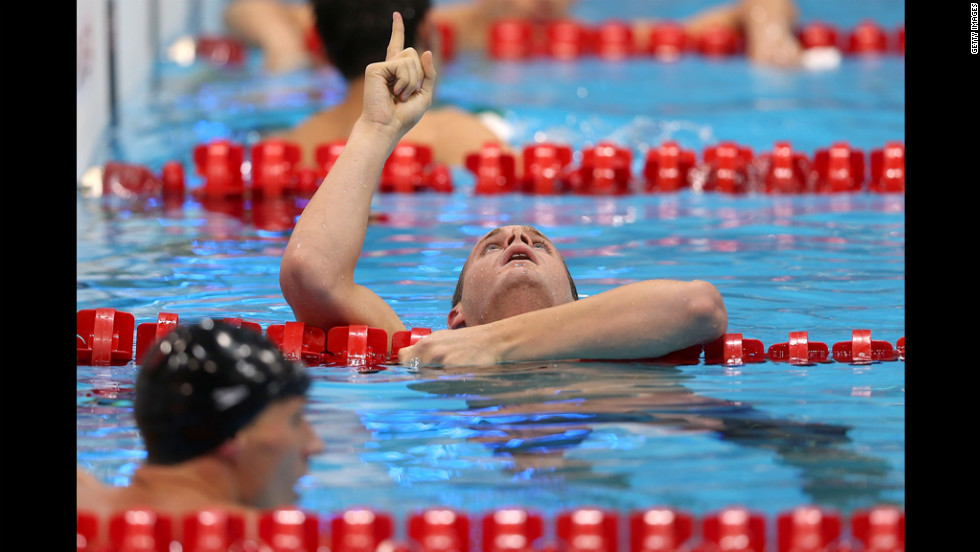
column 274, row 171
column 568, row 39
column 806, row 528
column 104, row 337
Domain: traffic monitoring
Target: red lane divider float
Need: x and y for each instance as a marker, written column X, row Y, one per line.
column 410, row 169
column 568, row 39
column 799, row 350
column 136, row 182
column 290, row 529
column 732, row 350
column 359, row 530
column 719, row 42
column 881, row 528
column 220, row 50
column 669, row 41
column 298, row 341
column 326, row 155
column 866, row 38
column 142, row 530
column 86, row 531
column 212, row 530
column 720, row 530
column 806, row 528
column 659, row 529
column 511, row 529
column 785, row 171
column 667, row 168
column 546, row 169
column 605, row 170
column 439, row 530
column 404, row 339
column 273, row 193
column 564, row 40
column 105, row 336
column 511, row 39
column 838, row 169
column 274, row 167
column 725, row 168
column 587, row 530
column 219, row 164
column 149, row 333
column 888, row 168
column 494, row 170
column 358, row 345
column 861, row 349
column 239, row 323
column 817, row 34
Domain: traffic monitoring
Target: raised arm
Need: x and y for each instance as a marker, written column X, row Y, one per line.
column 317, row 270
column 640, row 320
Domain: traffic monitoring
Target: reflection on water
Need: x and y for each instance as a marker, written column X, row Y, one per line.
column 607, row 429
column 623, row 435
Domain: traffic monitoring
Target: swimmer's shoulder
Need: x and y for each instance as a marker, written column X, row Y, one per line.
column 320, row 128
column 91, row 495
column 487, row 124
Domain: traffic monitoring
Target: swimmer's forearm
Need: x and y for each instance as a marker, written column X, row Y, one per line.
column 316, row 274
column 332, row 226
column 642, row 320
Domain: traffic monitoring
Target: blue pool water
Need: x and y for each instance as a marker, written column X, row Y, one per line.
column 552, row 435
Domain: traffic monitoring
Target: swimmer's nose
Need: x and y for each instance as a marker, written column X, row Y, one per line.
column 314, row 445
column 518, row 234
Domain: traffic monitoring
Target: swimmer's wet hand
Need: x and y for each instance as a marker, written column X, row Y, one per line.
column 475, row 346
column 398, row 90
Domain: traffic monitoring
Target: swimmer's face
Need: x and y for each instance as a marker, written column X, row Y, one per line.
column 510, row 271
column 274, row 453
column 535, row 10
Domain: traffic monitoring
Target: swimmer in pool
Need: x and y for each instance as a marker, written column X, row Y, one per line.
column 515, row 299
column 221, row 414
column 354, row 33
column 279, row 27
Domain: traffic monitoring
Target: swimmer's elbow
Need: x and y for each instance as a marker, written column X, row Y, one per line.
column 291, row 280
column 304, row 283
column 707, row 312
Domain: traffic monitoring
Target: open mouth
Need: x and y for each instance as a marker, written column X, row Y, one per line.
column 520, row 254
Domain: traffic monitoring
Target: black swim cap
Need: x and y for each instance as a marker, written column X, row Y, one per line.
column 202, row 383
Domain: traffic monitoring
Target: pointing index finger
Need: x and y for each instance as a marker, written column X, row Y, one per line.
column 397, row 42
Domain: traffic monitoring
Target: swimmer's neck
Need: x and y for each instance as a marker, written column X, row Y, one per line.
column 204, row 480
column 355, row 93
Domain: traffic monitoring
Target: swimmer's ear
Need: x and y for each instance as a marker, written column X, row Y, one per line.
column 456, row 319
column 230, row 449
